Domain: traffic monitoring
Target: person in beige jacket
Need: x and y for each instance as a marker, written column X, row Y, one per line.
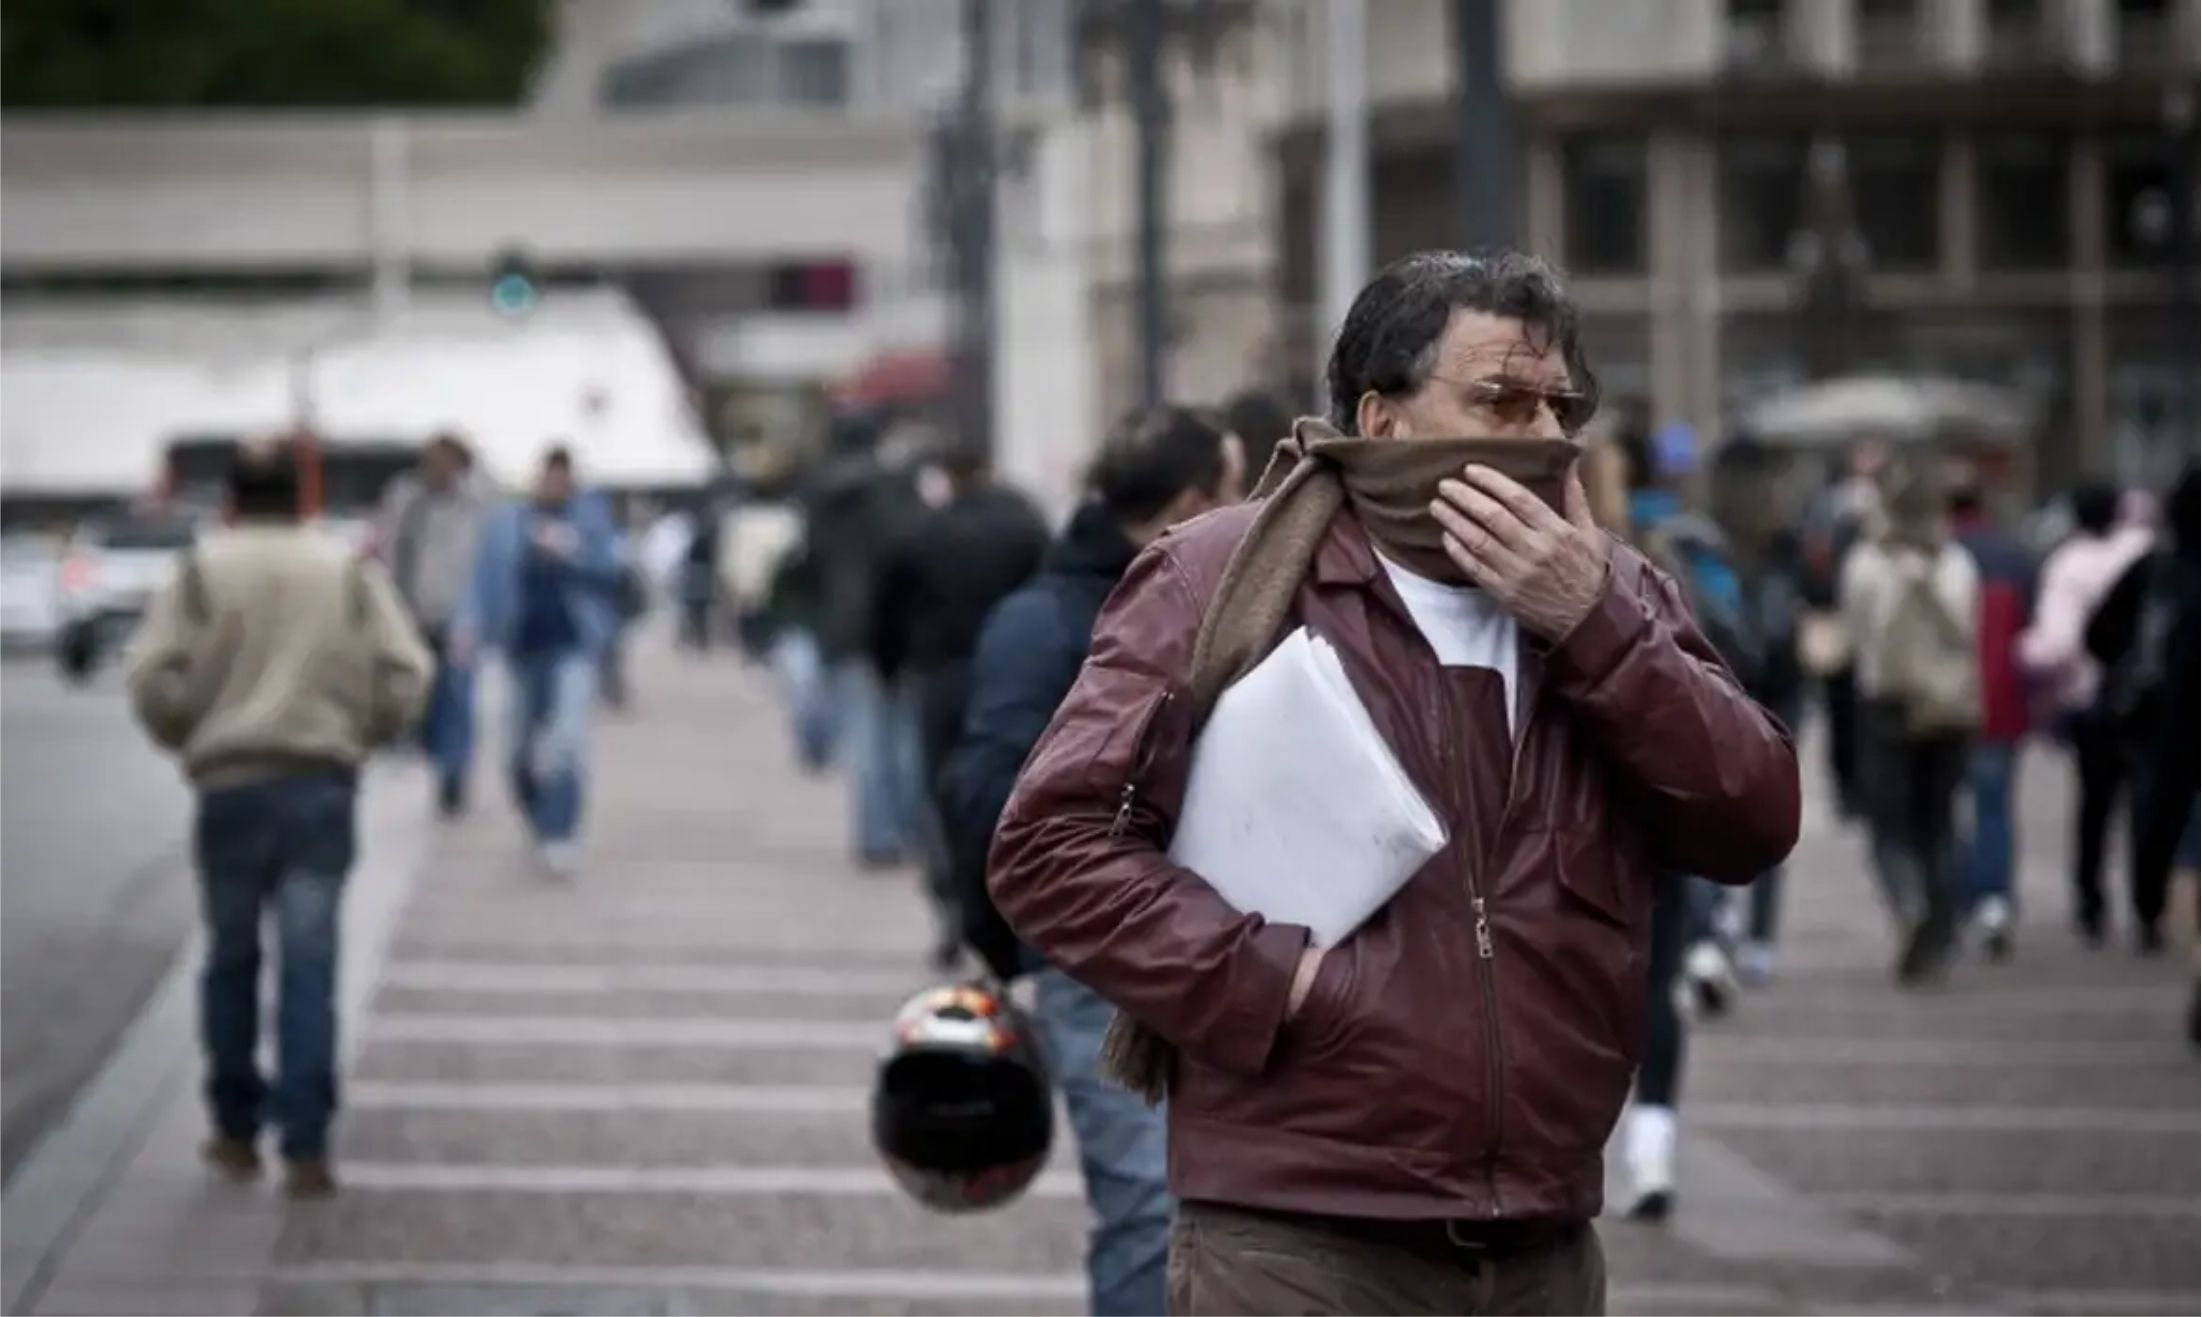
column 272, row 663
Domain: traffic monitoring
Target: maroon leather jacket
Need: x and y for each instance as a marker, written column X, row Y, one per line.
column 1465, row 1053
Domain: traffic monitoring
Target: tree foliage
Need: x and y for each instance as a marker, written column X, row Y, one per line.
column 83, row 54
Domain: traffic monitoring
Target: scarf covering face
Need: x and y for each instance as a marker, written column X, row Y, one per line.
column 1390, row 484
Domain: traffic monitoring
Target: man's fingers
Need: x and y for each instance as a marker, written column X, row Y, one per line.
column 1578, row 501
column 1527, row 508
column 1475, row 540
column 1496, row 517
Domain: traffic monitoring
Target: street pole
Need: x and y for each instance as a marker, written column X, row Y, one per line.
column 1345, row 262
column 1150, row 113
column 971, row 219
column 1484, row 146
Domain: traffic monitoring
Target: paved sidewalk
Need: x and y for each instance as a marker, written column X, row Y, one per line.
column 645, row 1092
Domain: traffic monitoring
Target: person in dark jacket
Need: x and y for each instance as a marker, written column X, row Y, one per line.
column 939, row 578
column 1412, row 1118
column 1161, row 466
column 2144, row 635
column 851, row 510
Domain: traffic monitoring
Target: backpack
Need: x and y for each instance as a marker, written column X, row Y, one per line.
column 1928, row 663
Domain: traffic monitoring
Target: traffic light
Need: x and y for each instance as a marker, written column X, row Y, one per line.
column 514, row 288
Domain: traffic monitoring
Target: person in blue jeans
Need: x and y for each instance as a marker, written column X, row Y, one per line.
column 1159, row 467
column 272, row 663
column 2006, row 597
column 546, row 594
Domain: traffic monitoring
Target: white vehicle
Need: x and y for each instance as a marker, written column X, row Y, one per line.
column 30, row 599
column 107, row 574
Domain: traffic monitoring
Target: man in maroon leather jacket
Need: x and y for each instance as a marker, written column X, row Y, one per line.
column 1412, row 1120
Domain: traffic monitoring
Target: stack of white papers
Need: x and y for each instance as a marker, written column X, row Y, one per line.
column 1296, row 809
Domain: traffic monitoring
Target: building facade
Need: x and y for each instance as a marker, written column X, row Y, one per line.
column 2021, row 172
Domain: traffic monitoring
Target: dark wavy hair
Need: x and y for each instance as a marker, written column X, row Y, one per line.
column 1388, row 342
column 1152, row 455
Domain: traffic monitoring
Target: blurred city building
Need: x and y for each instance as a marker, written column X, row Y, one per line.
column 2022, row 173
column 765, row 182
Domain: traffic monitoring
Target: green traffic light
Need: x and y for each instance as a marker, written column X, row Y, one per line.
column 513, row 294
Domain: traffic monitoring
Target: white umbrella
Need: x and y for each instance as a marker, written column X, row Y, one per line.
column 1899, row 409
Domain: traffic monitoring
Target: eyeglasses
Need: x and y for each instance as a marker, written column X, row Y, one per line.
column 1516, row 403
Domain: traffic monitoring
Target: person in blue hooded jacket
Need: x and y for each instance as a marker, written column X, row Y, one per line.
column 546, row 595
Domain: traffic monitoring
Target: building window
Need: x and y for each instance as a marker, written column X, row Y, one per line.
column 2145, row 34
column 726, row 70
column 1755, row 33
column 1605, row 179
column 1761, row 200
column 2149, row 216
column 1889, row 33
column 2025, row 218
column 1896, row 182
column 821, row 286
column 2018, row 34
column 814, row 71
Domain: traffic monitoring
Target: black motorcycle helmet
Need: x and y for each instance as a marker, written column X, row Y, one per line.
column 961, row 1108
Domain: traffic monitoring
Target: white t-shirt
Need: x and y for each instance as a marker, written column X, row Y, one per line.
column 1463, row 625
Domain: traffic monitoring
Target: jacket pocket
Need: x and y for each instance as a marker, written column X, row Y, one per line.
column 1111, row 731
column 1327, row 1014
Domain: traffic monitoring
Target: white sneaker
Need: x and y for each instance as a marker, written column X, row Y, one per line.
column 1712, row 979
column 1992, row 922
column 1650, row 1157
column 559, row 859
column 1755, row 964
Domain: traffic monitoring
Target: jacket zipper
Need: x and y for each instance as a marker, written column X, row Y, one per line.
column 1483, row 938
column 1142, row 760
column 1486, row 951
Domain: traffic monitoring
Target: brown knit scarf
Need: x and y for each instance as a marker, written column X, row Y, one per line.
column 1390, row 485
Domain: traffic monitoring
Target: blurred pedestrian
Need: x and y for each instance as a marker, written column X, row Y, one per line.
column 630, row 600
column 546, row 594
column 2006, row 598
column 1746, row 603
column 852, row 509
column 698, row 578
column 1849, row 510
column 272, row 663
column 1694, row 554
column 939, row 578
column 1160, row 467
column 1256, row 419
column 787, row 622
column 2144, row 637
column 1344, row 1136
column 431, row 527
column 2075, row 580
column 1912, row 599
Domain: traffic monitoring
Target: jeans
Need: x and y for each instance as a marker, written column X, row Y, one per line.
column 1121, row 1142
column 1681, row 916
column 286, row 845
column 447, row 728
column 1993, row 769
column 802, row 674
column 552, row 695
column 884, row 762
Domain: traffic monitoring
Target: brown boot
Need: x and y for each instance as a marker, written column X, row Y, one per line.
column 311, row 1178
column 231, row 1157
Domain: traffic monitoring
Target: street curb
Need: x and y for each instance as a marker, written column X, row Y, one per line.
column 63, row 1183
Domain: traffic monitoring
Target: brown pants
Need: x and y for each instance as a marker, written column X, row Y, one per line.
column 1223, row 1260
